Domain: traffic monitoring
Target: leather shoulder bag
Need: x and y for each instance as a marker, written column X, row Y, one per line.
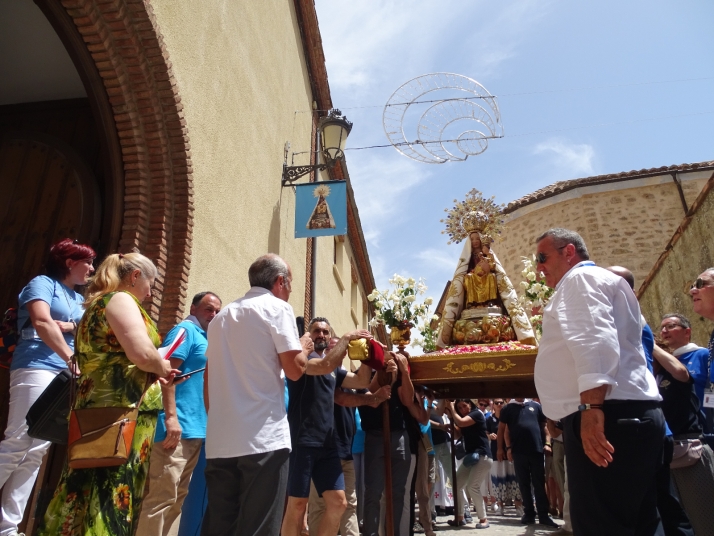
column 101, row 437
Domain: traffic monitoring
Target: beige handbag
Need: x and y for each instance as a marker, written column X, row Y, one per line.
column 687, row 452
column 100, row 437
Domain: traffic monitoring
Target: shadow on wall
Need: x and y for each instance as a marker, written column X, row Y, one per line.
column 274, row 232
column 688, row 254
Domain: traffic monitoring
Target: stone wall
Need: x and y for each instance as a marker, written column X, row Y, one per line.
column 627, row 222
column 688, row 253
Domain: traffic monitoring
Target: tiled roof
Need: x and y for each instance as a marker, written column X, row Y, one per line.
column 564, row 186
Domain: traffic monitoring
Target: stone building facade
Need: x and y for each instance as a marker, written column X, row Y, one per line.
column 626, row 218
column 687, row 254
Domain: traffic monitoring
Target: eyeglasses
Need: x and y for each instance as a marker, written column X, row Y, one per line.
column 670, row 327
column 499, row 403
column 542, row 257
column 701, row 283
column 482, row 405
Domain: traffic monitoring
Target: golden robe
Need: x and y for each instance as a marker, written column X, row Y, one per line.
column 480, row 286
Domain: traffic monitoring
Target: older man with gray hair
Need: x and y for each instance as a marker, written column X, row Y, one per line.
column 247, row 438
column 592, row 375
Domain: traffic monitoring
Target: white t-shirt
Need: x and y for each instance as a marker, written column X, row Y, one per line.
column 246, row 392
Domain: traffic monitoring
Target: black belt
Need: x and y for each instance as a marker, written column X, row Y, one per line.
column 638, row 403
column 682, row 437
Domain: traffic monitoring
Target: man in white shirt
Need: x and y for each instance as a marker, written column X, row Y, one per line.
column 591, row 373
column 247, row 437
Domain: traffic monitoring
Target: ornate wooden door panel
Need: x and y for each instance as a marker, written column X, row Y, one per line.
column 48, row 193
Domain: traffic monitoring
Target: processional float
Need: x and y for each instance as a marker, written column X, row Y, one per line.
column 486, row 346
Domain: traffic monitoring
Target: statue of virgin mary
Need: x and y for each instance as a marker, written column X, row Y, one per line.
column 481, row 306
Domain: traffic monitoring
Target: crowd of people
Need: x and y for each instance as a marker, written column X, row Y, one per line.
column 295, row 442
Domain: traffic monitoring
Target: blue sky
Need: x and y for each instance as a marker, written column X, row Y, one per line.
column 555, row 66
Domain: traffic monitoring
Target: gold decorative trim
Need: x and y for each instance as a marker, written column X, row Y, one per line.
column 487, row 378
column 479, row 366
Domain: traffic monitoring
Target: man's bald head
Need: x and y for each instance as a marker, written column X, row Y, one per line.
column 624, row 273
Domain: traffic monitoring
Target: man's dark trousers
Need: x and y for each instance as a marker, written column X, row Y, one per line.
column 246, row 495
column 620, row 499
column 530, row 469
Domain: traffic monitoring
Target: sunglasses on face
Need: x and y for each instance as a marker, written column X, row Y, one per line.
column 499, row 403
column 542, row 257
column 482, row 405
column 701, row 283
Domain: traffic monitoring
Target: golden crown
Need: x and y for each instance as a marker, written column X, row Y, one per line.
column 473, row 214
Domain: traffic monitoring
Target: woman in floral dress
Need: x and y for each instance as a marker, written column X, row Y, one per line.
column 116, row 353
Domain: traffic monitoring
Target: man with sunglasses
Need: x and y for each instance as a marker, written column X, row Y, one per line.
column 702, row 293
column 676, row 332
column 591, row 374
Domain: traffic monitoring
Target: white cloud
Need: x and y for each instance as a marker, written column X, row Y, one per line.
column 574, row 159
column 502, row 30
column 441, row 259
column 371, row 42
column 383, row 184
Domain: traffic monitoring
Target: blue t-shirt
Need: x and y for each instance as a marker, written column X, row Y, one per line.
column 65, row 305
column 697, row 363
column 426, row 428
column 189, row 395
column 358, row 441
column 648, row 345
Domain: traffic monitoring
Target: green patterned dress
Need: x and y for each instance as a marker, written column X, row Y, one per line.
column 106, row 501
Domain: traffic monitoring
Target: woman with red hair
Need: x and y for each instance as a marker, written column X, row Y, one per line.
column 48, row 313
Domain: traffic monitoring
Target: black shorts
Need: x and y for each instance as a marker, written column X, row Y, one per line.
column 321, row 465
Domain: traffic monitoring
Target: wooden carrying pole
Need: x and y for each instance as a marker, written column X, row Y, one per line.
column 385, row 379
column 454, row 484
column 389, row 500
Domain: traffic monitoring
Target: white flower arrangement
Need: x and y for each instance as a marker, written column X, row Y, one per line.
column 428, row 337
column 397, row 307
column 536, row 292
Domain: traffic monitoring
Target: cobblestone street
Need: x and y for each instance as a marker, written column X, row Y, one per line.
column 508, row 524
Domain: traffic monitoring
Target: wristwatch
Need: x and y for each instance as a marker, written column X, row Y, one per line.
column 585, row 407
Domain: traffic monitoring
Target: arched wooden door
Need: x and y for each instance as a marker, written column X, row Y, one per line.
column 48, row 193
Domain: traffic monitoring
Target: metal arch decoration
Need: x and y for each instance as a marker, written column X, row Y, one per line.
column 439, row 135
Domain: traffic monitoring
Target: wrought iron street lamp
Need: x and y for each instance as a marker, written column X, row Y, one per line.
column 333, row 129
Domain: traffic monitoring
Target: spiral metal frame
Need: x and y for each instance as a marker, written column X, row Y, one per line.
column 429, row 146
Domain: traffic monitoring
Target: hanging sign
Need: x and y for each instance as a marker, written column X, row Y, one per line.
column 320, row 209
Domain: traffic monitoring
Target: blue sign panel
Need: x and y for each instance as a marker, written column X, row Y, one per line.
column 320, row 209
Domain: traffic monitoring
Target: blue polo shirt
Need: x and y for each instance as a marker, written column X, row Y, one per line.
column 697, row 363
column 189, row 395
column 65, row 305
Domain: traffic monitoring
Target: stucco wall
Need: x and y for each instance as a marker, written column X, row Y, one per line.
column 625, row 223
column 245, row 88
column 691, row 253
column 336, row 295
column 241, row 76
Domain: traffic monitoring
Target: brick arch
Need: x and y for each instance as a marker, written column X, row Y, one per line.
column 129, row 53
